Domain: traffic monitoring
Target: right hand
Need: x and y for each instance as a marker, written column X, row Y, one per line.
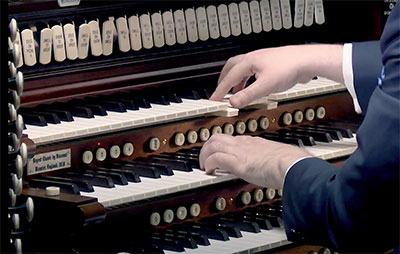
column 276, row 70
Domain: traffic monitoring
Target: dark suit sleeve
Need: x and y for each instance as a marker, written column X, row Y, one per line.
column 367, row 66
column 355, row 208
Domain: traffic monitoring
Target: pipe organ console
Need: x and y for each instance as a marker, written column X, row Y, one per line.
column 114, row 110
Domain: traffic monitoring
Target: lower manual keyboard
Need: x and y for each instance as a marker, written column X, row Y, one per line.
column 248, row 243
column 181, row 181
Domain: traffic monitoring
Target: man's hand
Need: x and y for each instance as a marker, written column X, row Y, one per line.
column 276, row 70
column 256, row 160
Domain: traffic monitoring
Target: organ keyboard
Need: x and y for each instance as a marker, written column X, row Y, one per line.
column 115, row 107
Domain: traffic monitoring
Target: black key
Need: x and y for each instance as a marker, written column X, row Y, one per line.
column 50, row 117
column 193, row 162
column 78, row 111
column 199, row 238
column 276, row 221
column 241, row 224
column 232, row 231
column 63, row 115
column 184, row 241
column 171, row 96
column 180, row 165
column 150, row 172
column 31, row 119
column 96, row 180
column 135, row 100
column 117, row 178
column 335, row 134
column 128, row 103
column 353, row 127
column 164, row 169
column 189, row 94
column 248, row 216
column 318, row 136
column 346, row 133
column 70, row 188
column 141, row 102
column 96, row 109
column 283, row 139
column 107, row 103
column 82, row 184
column 216, row 234
column 166, row 243
column 129, row 175
column 306, row 139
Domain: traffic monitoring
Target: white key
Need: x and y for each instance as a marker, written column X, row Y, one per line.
column 95, row 38
column 223, row 17
column 45, row 48
column 123, row 34
column 83, row 41
column 70, row 41
column 135, row 33
column 276, row 15
column 28, row 45
column 309, row 12
column 169, row 28
column 255, row 16
column 158, row 29
column 319, row 12
column 108, row 37
column 234, row 18
column 286, row 14
column 191, row 25
column 147, row 34
column 245, row 20
column 299, row 13
column 212, row 18
column 202, row 23
column 180, row 26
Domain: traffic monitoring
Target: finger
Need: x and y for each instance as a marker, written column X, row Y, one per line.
column 256, row 90
column 219, row 160
column 217, row 143
column 240, row 86
column 228, row 66
column 238, row 72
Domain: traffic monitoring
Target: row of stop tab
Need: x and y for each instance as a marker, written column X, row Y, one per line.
column 72, row 39
column 193, row 210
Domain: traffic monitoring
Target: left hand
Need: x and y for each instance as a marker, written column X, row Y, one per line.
column 254, row 159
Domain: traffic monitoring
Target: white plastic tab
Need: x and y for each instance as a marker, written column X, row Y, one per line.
column 202, row 23
column 286, row 14
column 70, row 41
column 108, row 37
column 319, row 12
column 123, row 34
column 158, row 29
column 276, row 15
column 180, row 26
column 28, row 45
column 83, row 41
column 245, row 17
column 135, row 33
column 191, row 25
column 223, row 17
column 212, row 18
column 234, row 18
column 298, row 13
column 169, row 28
column 95, row 40
column 309, row 12
column 255, row 16
column 145, row 27
column 17, row 43
column 45, row 48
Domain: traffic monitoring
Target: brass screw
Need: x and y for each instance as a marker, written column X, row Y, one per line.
column 164, row 141
column 230, row 201
column 273, row 120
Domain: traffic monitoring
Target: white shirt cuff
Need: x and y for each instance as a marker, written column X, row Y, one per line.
column 287, row 170
column 347, row 69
